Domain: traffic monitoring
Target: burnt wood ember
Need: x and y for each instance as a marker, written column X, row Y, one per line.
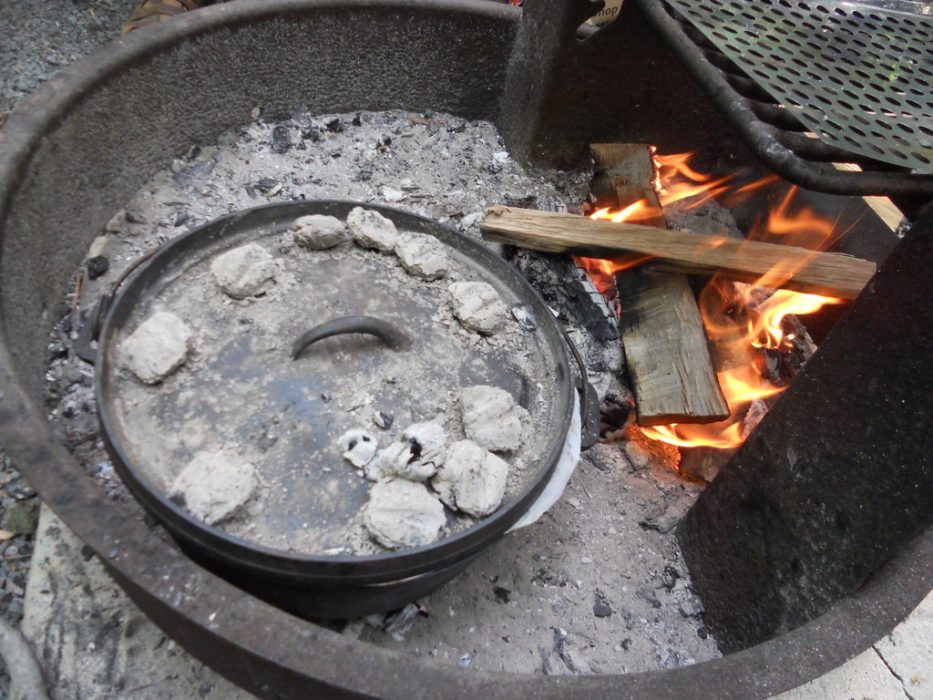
column 836, row 478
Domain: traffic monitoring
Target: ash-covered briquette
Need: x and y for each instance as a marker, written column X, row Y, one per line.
column 244, row 272
column 527, row 605
column 478, row 306
column 214, row 485
column 157, row 348
column 472, row 479
column 423, row 256
column 492, row 418
column 370, row 229
column 319, row 232
column 359, row 447
column 402, row 513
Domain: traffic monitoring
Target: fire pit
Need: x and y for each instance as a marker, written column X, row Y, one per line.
column 97, row 114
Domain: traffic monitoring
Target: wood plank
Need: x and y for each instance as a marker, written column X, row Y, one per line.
column 666, row 352
column 886, row 210
column 829, row 274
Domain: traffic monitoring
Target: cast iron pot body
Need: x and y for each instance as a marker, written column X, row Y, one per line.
column 88, row 139
column 346, row 585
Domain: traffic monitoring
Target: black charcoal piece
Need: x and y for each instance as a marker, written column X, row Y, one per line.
column 601, row 607
column 266, row 184
column 383, row 420
column 97, row 266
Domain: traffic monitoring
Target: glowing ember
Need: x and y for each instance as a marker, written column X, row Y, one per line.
column 740, row 320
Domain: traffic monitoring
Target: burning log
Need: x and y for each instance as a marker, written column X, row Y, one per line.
column 623, row 175
column 666, row 350
column 788, row 267
column 665, row 347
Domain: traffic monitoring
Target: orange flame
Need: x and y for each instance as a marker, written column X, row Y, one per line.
column 740, row 319
column 743, row 383
column 674, row 181
column 765, row 331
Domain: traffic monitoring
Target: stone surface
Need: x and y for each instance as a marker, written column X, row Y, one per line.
column 478, row 306
column 865, row 676
column 907, row 651
column 319, row 232
column 21, row 518
column 492, row 419
column 401, row 513
column 157, row 348
column 472, row 479
column 214, row 485
column 39, row 39
column 423, row 256
column 370, row 229
column 244, row 271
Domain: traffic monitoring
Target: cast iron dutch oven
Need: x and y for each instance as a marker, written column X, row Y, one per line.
column 342, row 585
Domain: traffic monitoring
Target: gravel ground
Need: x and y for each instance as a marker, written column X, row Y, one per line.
column 40, row 38
column 37, row 39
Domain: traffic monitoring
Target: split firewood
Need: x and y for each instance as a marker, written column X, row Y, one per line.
column 666, row 352
column 624, row 174
column 787, row 267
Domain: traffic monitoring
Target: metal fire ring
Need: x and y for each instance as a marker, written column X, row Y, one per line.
column 859, row 76
column 260, row 647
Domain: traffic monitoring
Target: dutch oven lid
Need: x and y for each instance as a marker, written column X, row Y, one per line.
column 244, row 389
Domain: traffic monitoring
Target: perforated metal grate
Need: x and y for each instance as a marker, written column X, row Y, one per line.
column 859, row 77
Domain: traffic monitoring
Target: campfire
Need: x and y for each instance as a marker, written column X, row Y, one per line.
column 744, row 323
column 755, row 341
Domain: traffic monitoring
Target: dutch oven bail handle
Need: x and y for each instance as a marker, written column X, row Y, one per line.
column 396, row 339
column 390, row 334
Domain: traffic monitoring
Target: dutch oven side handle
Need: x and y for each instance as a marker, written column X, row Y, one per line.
column 589, row 400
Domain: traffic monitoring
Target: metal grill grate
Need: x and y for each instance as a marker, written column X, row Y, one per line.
column 859, row 77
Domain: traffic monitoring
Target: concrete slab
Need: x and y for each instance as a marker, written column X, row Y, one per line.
column 908, row 651
column 92, row 641
column 865, row 676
